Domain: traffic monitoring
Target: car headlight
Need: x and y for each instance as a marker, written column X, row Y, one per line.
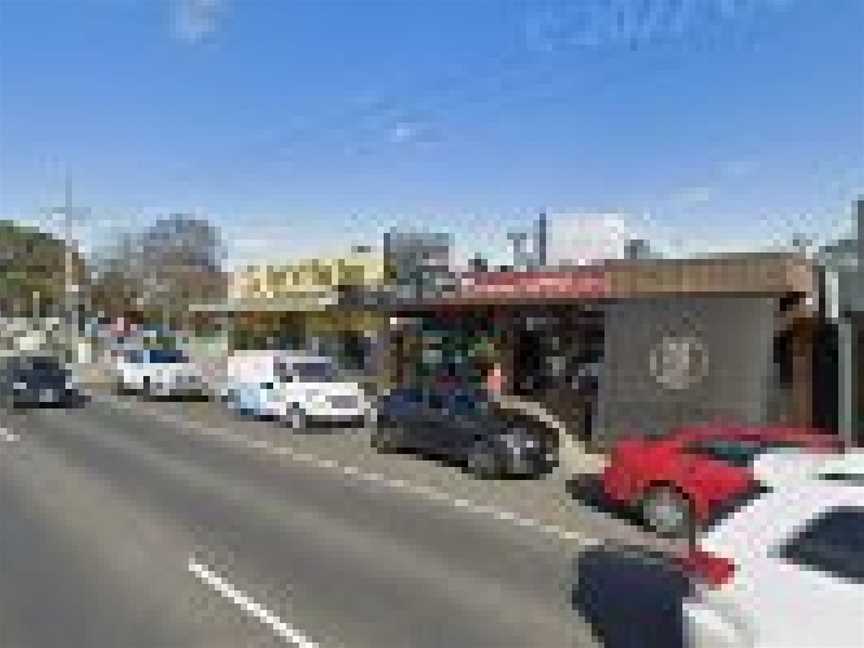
column 519, row 441
column 512, row 441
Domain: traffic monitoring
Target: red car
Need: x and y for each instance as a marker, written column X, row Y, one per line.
column 680, row 481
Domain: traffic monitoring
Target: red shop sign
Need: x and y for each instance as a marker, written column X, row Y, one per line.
column 587, row 283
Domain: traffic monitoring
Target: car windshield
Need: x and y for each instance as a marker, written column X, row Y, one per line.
column 44, row 365
column 41, row 371
column 162, row 356
column 310, row 371
column 741, row 452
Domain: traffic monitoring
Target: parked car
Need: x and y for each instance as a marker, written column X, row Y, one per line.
column 787, row 570
column 680, row 481
column 157, row 373
column 293, row 388
column 467, row 426
column 36, row 380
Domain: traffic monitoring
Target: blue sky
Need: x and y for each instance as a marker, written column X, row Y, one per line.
column 303, row 127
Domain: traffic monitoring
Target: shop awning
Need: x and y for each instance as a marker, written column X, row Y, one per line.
column 300, row 304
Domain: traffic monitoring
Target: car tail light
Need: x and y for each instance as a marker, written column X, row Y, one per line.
column 713, row 570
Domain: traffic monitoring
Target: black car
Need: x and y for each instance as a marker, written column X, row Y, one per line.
column 34, row 381
column 465, row 426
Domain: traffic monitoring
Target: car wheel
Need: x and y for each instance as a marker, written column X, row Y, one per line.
column 294, row 419
column 484, row 462
column 387, row 439
column 229, row 397
column 668, row 512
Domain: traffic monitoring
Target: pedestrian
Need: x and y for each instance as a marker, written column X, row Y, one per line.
column 494, row 382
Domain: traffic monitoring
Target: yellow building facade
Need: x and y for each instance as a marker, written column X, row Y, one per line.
column 300, row 305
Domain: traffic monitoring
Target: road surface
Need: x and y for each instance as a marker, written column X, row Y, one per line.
column 121, row 528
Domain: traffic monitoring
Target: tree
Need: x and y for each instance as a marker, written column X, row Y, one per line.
column 158, row 273
column 33, row 271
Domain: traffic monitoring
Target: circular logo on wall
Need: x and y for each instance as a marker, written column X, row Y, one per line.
column 678, row 363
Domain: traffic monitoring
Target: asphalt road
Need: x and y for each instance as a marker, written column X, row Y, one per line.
column 121, row 528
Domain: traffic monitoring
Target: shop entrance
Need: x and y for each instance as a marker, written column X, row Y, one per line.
column 826, row 369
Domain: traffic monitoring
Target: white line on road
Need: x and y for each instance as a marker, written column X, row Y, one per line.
column 8, row 436
column 246, row 603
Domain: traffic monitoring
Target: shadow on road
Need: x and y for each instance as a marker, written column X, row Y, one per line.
column 588, row 491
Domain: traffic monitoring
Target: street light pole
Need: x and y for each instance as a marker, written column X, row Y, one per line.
column 71, row 312
column 70, row 285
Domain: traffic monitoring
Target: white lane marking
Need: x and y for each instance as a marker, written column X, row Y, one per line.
column 8, row 435
column 357, row 473
column 246, row 603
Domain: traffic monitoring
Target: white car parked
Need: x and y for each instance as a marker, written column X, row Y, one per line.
column 293, row 388
column 787, row 569
column 157, row 372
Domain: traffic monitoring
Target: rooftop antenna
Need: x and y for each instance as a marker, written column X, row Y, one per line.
column 542, row 226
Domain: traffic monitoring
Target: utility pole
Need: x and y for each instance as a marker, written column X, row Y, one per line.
column 70, row 285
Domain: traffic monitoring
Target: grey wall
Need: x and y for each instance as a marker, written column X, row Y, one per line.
column 737, row 333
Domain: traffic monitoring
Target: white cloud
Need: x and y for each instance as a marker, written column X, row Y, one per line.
column 402, row 133
column 586, row 237
column 412, row 131
column 194, row 20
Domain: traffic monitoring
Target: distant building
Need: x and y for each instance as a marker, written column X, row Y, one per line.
column 419, row 264
column 521, row 254
column 637, row 249
column 478, row 263
column 308, row 304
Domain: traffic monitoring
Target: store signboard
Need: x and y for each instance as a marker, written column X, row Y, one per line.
column 535, row 285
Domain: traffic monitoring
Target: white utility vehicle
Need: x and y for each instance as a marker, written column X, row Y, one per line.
column 157, row 372
column 293, row 388
column 787, row 569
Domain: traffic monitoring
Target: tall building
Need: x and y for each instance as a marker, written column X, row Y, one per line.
column 419, row 264
column 541, row 243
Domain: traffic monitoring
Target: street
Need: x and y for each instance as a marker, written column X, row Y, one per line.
column 126, row 525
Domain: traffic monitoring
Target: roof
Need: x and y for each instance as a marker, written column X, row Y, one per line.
column 803, row 467
column 736, row 431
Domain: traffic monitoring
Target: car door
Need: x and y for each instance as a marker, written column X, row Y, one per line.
column 456, row 425
column 717, row 469
column 140, row 368
column 815, row 573
column 428, row 417
column 404, row 408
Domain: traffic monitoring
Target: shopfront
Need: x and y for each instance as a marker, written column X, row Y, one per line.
column 631, row 347
column 535, row 335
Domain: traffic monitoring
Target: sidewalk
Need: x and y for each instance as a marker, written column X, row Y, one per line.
column 574, row 456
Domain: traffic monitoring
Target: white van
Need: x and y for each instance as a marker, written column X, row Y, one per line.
column 293, row 388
